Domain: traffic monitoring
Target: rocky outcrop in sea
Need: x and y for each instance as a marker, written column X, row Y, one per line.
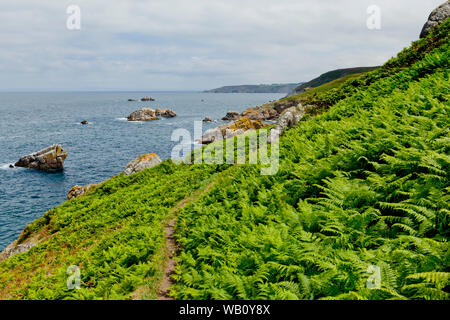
column 148, row 114
column 231, row 115
column 50, row 158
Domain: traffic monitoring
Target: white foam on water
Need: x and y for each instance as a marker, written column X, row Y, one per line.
column 125, row 119
column 5, row 166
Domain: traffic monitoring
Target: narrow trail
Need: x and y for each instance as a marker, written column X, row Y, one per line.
column 169, row 268
column 171, row 245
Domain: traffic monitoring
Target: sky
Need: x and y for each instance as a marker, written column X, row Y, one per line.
column 153, row 45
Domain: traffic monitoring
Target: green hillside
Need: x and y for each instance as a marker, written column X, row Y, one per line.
column 330, row 76
column 259, row 88
column 362, row 184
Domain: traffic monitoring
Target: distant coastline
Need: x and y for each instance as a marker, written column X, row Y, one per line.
column 259, row 88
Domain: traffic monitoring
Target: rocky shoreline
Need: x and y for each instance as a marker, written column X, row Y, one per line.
column 139, row 164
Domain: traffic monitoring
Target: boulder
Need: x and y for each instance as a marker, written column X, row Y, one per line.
column 132, row 100
column 207, row 119
column 143, row 162
column 51, row 158
column 289, row 118
column 144, row 114
column 78, row 191
column 84, row 122
column 147, row 99
column 231, row 115
column 438, row 16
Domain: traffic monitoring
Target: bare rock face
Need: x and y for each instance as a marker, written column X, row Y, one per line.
column 438, row 16
column 78, row 191
column 147, row 99
column 289, row 118
column 269, row 111
column 51, row 158
column 143, row 162
column 229, row 130
column 231, row 115
column 260, row 114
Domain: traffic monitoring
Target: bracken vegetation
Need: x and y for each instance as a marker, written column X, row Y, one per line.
column 364, row 185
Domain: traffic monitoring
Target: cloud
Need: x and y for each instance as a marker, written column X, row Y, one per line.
column 198, row 44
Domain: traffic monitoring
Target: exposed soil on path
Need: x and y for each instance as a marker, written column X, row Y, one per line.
column 169, row 268
column 171, row 245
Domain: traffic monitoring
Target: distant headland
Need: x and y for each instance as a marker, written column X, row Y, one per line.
column 259, row 88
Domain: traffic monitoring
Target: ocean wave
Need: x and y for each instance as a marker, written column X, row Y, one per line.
column 5, row 166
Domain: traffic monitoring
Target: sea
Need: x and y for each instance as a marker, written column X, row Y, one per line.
column 97, row 151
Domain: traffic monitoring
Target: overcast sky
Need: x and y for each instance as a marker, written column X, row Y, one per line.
column 195, row 44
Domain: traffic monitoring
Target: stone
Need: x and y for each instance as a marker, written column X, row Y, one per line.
column 78, row 191
column 289, row 118
column 15, row 248
column 11, row 166
column 51, row 158
column 84, row 122
column 132, row 100
column 229, row 130
column 207, row 119
column 148, row 114
column 438, row 16
column 167, row 113
column 231, row 115
column 245, row 123
column 143, row 162
column 144, row 114
column 147, row 99
column 260, row 114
